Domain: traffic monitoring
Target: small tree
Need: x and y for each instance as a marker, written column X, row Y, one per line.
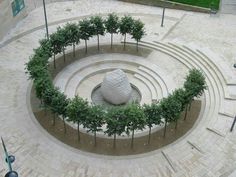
column 137, row 31
column 40, row 84
column 153, row 116
column 97, row 26
column 135, row 119
column 170, row 109
column 112, row 25
column 126, row 25
column 46, row 47
column 85, row 31
column 73, row 35
column 63, row 40
column 58, row 106
column 180, row 96
column 116, row 122
column 194, row 84
column 94, row 121
column 47, row 94
column 36, row 68
column 56, row 46
column 77, row 111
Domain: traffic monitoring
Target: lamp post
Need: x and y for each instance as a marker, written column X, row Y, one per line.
column 9, row 160
column 45, row 16
column 163, row 15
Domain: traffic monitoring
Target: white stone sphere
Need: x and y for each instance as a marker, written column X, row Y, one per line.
column 116, row 88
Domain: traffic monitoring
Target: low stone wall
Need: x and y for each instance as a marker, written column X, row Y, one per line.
column 171, row 5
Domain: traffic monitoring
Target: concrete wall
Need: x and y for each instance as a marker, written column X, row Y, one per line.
column 7, row 21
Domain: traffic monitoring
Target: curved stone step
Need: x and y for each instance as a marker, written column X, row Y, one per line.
column 158, row 79
column 219, row 80
column 83, row 67
column 86, row 87
column 189, row 64
column 149, row 84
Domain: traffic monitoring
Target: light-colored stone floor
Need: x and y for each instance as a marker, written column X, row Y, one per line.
column 207, row 150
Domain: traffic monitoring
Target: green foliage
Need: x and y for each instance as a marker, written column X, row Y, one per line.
column 36, row 68
column 58, row 103
column 116, row 121
column 137, row 31
column 153, row 114
column 77, row 110
column 135, row 117
column 41, row 85
column 181, row 95
column 97, row 25
column 171, row 108
column 45, row 49
column 85, row 29
column 72, row 33
column 56, row 43
column 112, row 23
column 201, row 3
column 47, row 94
column 195, row 83
column 95, row 119
column 126, row 25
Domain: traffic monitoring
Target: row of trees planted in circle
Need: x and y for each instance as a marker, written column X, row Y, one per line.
column 72, row 33
column 118, row 119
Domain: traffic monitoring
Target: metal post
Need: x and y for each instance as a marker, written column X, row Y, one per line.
column 163, row 15
column 9, row 159
column 232, row 127
column 45, row 16
column 7, row 156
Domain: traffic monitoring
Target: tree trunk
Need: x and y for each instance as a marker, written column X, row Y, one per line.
column 54, row 61
column 95, row 139
column 165, row 128
column 64, row 55
column 124, row 41
column 137, row 45
column 149, row 134
column 73, row 49
column 132, row 140
column 86, row 47
column 186, row 111
column 176, row 124
column 45, row 109
column 54, row 119
column 190, row 106
column 64, row 123
column 114, row 141
column 98, row 42
column 78, row 131
column 111, row 40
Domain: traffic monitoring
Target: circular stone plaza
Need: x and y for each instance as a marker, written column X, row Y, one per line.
column 166, row 53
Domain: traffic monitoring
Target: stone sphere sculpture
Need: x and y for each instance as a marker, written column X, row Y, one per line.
column 116, row 88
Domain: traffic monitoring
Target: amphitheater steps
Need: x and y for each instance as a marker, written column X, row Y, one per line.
column 161, row 88
column 190, row 63
column 69, row 79
column 217, row 92
column 149, row 84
